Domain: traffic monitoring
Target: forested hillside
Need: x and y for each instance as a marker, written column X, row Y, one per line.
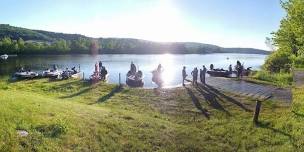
column 16, row 40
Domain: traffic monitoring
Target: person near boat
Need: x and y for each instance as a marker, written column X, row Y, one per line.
column 74, row 70
column 194, row 74
column 100, row 64
column 134, row 77
column 230, row 68
column 184, row 74
column 203, row 74
column 132, row 68
column 95, row 77
column 103, row 73
column 55, row 67
column 211, row 67
column 239, row 69
column 66, row 74
column 21, row 69
column 157, row 75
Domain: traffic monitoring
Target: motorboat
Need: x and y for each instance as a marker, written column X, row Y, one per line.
column 4, row 56
column 219, row 73
column 26, row 74
column 51, row 73
column 135, row 79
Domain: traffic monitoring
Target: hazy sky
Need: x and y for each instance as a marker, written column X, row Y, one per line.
column 228, row 23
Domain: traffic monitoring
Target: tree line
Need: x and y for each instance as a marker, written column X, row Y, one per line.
column 60, row 46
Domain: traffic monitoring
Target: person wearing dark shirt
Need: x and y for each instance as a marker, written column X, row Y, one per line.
column 133, row 68
column 203, row 74
column 194, row 74
column 230, row 68
column 184, row 74
column 211, row 66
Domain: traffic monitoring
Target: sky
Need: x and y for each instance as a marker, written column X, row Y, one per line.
column 227, row 23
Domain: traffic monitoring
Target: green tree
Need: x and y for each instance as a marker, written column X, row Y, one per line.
column 290, row 36
column 289, row 39
column 21, row 45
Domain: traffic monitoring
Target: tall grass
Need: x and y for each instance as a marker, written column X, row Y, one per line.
column 279, row 79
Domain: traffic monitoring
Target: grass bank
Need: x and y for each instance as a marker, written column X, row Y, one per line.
column 76, row 116
column 276, row 79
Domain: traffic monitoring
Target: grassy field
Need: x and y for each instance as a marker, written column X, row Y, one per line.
column 75, row 116
column 276, row 79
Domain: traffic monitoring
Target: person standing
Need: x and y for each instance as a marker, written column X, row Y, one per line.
column 211, row 66
column 203, row 74
column 238, row 68
column 100, row 65
column 184, row 74
column 230, row 68
column 194, row 74
column 133, row 68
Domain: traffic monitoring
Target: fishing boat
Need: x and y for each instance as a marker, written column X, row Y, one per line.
column 219, row 73
column 77, row 75
column 26, row 75
column 4, row 56
column 135, row 79
column 51, row 73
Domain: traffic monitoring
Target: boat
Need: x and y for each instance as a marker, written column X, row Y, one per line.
column 51, row 73
column 26, row 75
column 135, row 80
column 77, row 75
column 219, row 73
column 4, row 56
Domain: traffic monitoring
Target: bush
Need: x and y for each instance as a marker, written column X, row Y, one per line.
column 280, row 79
column 298, row 62
column 278, row 61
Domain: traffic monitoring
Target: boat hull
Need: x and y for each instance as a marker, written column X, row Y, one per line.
column 219, row 73
column 135, row 83
column 26, row 75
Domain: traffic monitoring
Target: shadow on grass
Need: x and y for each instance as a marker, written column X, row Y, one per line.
column 115, row 90
column 212, row 99
column 78, row 93
column 220, row 95
column 267, row 125
column 197, row 104
column 76, row 82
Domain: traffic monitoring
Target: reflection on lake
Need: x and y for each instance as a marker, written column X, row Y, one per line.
column 116, row 64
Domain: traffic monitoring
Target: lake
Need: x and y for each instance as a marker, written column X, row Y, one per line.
column 116, row 64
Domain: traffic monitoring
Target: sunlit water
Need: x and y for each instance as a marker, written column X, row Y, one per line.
column 116, row 64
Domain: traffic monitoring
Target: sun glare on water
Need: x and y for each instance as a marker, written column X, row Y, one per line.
column 168, row 74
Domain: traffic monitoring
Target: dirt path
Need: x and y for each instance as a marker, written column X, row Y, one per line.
column 298, row 78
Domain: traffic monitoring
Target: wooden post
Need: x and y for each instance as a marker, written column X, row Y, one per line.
column 83, row 75
column 119, row 81
column 257, row 111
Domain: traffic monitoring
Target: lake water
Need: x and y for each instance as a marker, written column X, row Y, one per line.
column 116, row 64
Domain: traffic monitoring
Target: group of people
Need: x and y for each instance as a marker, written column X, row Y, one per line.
column 202, row 73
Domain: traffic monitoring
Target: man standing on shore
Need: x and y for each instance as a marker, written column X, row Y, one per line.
column 203, row 74
column 194, row 73
column 184, row 74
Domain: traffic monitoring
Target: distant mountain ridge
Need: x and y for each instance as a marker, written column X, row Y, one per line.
column 116, row 45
